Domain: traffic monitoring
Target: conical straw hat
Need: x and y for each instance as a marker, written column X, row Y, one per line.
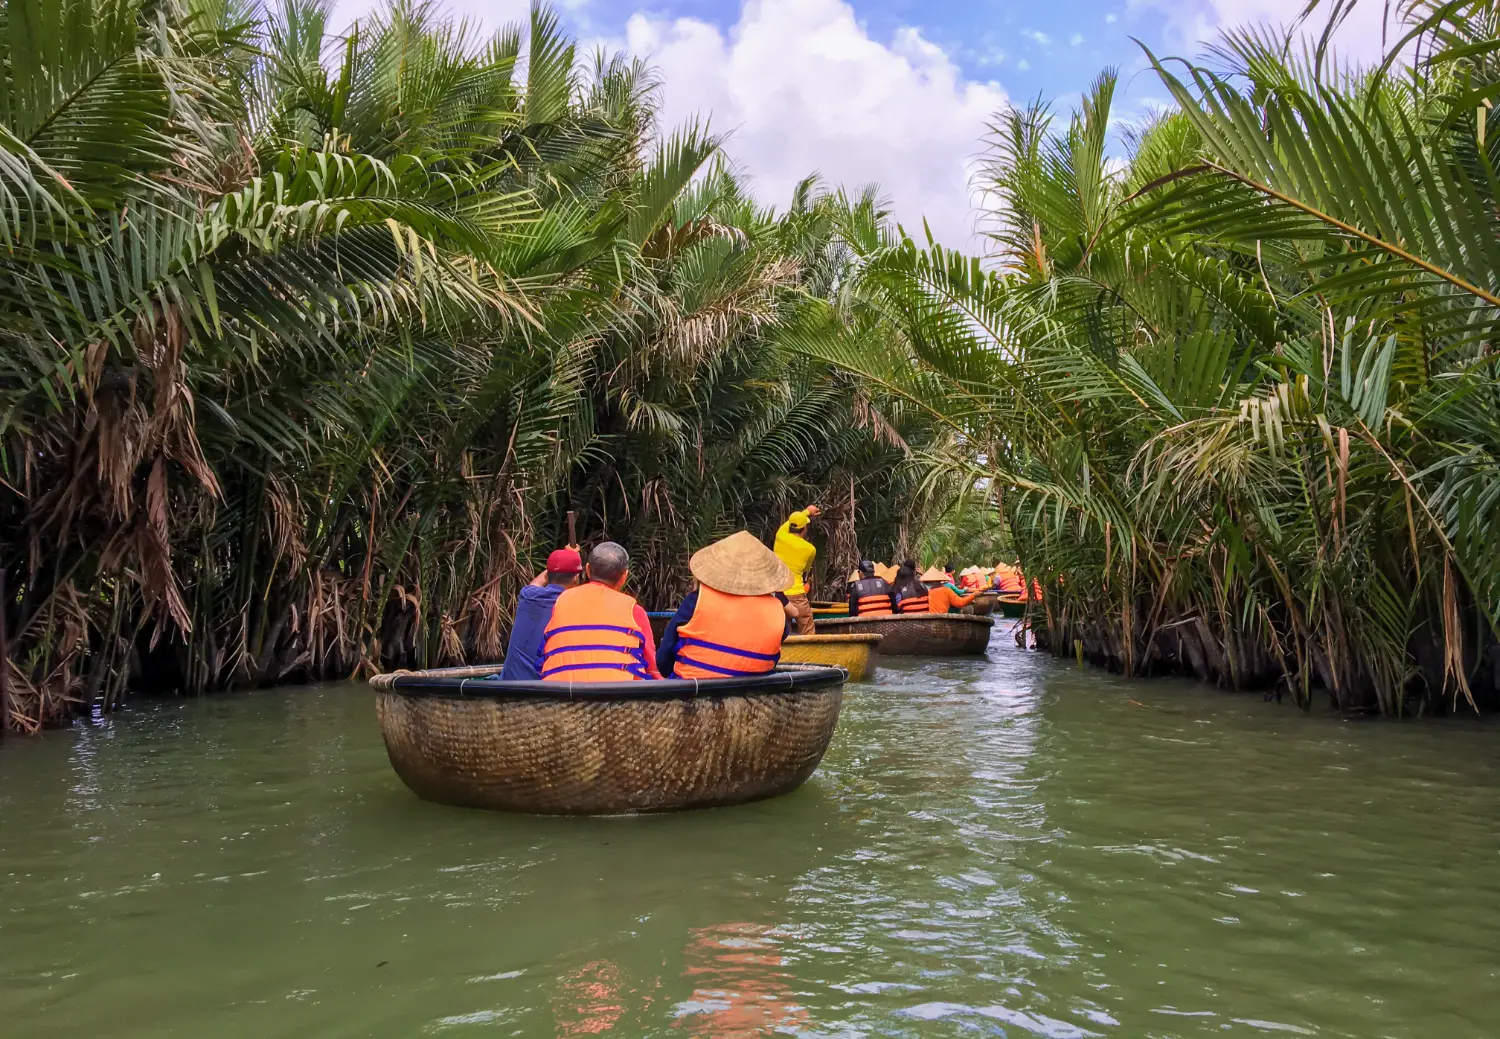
column 934, row 574
column 885, row 573
column 740, row 565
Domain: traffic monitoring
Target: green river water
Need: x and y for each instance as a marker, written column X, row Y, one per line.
column 1007, row 847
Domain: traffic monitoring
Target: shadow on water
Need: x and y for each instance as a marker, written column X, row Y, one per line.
column 996, row 847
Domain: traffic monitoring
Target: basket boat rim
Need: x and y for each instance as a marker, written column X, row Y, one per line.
column 899, row 618
column 872, row 638
column 786, row 678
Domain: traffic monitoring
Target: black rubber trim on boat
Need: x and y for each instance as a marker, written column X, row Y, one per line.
column 804, row 678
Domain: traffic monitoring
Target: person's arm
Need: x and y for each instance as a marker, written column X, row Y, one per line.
column 791, row 616
column 643, row 624
column 854, row 599
column 666, row 653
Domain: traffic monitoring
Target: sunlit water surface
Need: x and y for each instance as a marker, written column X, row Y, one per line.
column 1007, row 847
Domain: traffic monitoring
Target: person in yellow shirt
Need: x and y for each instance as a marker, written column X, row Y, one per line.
column 798, row 554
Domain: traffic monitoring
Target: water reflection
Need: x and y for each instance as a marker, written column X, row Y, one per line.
column 740, row 986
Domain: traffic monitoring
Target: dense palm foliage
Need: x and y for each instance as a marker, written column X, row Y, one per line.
column 308, row 342
column 1237, row 394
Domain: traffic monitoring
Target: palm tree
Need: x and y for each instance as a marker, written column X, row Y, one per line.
column 309, row 341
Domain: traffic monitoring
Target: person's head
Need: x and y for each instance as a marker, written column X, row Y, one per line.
column 609, row 564
column 866, row 568
column 564, row 567
column 907, row 582
column 798, row 522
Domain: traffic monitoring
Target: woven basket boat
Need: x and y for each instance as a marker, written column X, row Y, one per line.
column 854, row 653
column 917, row 634
column 984, row 604
column 606, row 748
column 1011, row 606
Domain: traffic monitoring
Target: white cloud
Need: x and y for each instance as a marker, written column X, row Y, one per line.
column 801, row 87
column 1193, row 22
column 1040, row 37
column 1075, row 39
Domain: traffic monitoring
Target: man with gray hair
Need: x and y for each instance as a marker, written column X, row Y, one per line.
column 598, row 633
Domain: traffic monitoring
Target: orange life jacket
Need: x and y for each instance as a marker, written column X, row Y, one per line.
column 1008, row 579
column 730, row 636
column 874, row 605
column 592, row 637
column 916, row 604
column 943, row 599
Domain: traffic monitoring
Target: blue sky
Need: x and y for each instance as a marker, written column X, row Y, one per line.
column 1053, row 49
column 895, row 92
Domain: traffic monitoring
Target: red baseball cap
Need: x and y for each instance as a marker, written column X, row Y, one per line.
column 564, row 561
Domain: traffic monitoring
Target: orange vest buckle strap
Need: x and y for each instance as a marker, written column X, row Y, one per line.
column 874, row 604
column 631, row 658
column 916, row 604
column 760, row 662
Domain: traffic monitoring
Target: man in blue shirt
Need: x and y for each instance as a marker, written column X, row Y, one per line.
column 534, row 611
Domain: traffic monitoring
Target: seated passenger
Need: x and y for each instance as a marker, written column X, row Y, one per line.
column 870, row 596
column 534, row 611
column 734, row 624
column 1008, row 579
column 946, row 598
column 909, row 592
column 598, row 633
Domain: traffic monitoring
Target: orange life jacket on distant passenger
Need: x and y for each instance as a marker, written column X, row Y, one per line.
column 730, row 636
column 593, row 637
column 916, row 604
column 943, row 599
column 1008, row 580
column 874, row 605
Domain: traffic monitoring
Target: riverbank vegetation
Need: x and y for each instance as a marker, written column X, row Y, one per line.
column 308, row 342
column 1235, row 394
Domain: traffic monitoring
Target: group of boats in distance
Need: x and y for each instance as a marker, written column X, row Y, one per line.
column 457, row 736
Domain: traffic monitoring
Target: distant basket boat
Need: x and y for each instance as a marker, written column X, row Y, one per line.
column 854, row 653
column 984, row 603
column 659, row 623
column 917, row 634
column 1011, row 606
column 606, row 748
